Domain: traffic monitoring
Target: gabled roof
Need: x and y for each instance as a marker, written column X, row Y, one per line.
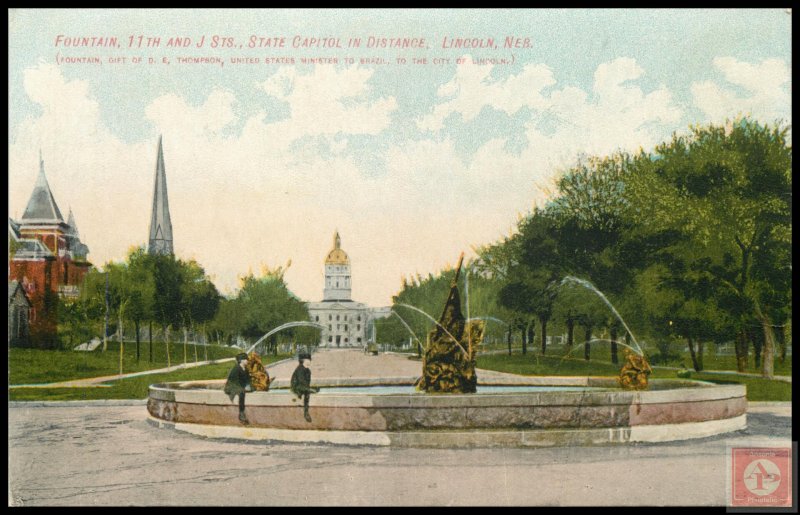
column 26, row 248
column 31, row 248
column 42, row 206
column 13, row 286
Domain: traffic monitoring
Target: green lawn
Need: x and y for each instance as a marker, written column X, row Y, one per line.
column 131, row 388
column 601, row 352
column 757, row 389
column 532, row 364
column 29, row 366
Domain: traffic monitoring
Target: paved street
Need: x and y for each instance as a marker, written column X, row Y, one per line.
column 80, row 454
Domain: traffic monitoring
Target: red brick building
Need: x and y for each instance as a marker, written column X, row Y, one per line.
column 47, row 258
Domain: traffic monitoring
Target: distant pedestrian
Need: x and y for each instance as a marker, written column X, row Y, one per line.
column 301, row 382
column 238, row 383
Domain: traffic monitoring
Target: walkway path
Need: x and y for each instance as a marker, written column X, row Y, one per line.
column 96, row 381
column 350, row 364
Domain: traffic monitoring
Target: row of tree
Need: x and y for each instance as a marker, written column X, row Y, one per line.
column 261, row 304
column 177, row 296
column 691, row 240
column 159, row 290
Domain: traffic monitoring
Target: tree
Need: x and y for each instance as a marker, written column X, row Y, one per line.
column 727, row 189
column 540, row 266
column 262, row 304
column 141, row 292
column 166, row 295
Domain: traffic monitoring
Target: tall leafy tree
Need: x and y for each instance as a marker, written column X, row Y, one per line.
column 727, row 189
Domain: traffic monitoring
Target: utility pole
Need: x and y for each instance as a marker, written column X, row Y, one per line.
column 105, row 325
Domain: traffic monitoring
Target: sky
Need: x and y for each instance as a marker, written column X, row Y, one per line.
column 411, row 162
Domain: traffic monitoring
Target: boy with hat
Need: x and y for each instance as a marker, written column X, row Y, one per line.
column 237, row 383
column 301, row 382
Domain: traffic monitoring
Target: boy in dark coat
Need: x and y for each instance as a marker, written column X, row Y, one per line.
column 237, row 383
column 301, row 383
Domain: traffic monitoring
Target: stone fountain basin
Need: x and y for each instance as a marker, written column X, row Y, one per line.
column 554, row 411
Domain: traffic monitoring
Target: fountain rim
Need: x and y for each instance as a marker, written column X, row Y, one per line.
column 607, row 392
column 650, row 426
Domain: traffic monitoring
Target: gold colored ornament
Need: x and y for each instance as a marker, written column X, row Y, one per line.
column 635, row 372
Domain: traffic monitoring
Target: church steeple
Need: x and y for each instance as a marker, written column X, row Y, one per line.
column 160, row 222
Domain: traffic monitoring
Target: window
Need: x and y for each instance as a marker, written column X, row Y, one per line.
column 330, row 328
column 330, row 317
column 345, row 327
column 345, row 318
column 359, row 340
column 316, row 318
column 359, row 318
column 358, row 327
column 337, row 318
column 330, row 339
column 346, row 340
column 337, row 284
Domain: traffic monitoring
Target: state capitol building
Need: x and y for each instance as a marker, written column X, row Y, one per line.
column 345, row 323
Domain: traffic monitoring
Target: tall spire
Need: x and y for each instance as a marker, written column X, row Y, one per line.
column 42, row 206
column 337, row 241
column 160, row 222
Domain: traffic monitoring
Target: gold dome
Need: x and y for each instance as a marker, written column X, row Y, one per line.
column 337, row 256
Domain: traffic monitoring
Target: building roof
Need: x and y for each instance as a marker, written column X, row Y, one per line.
column 337, row 256
column 31, row 248
column 13, row 286
column 337, row 304
column 13, row 229
column 26, row 248
column 73, row 227
column 42, row 206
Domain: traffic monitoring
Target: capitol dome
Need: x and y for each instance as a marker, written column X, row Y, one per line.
column 337, row 256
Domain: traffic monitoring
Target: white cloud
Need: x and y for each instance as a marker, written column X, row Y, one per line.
column 616, row 113
column 180, row 120
column 472, row 89
column 766, row 86
column 330, row 100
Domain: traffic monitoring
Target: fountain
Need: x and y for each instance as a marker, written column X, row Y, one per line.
column 635, row 373
column 451, row 406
